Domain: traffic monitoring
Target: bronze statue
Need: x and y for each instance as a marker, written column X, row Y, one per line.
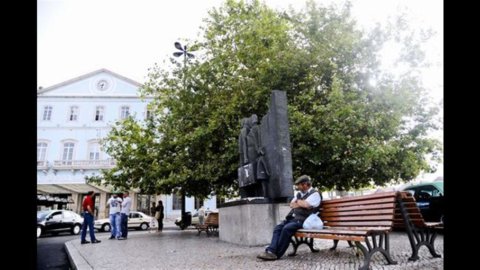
column 263, row 147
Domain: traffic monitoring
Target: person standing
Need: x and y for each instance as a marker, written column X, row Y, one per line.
column 124, row 213
column 153, row 209
column 88, row 215
column 114, row 203
column 305, row 203
column 201, row 215
column 159, row 215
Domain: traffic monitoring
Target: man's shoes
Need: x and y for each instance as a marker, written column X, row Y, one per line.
column 121, row 238
column 268, row 256
column 96, row 241
column 111, row 237
column 84, row 242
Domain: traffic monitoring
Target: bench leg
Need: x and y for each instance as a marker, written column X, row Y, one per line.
column 382, row 245
column 422, row 237
column 299, row 241
column 335, row 243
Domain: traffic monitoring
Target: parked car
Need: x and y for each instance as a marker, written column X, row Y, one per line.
column 55, row 221
column 430, row 199
column 136, row 220
column 195, row 219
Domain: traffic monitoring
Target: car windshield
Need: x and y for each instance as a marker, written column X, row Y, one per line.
column 43, row 214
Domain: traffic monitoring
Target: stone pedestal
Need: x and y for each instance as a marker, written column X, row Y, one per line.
column 250, row 221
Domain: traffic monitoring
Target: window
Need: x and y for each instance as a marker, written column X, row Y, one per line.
column 125, row 112
column 67, row 153
column 73, row 113
column 176, row 202
column 99, row 113
column 47, row 113
column 94, row 151
column 56, row 216
column 68, row 215
column 41, row 151
column 135, row 215
column 148, row 114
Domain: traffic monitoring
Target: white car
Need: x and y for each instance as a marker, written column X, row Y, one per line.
column 136, row 220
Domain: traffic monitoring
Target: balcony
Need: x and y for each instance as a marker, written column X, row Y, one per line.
column 83, row 164
column 42, row 165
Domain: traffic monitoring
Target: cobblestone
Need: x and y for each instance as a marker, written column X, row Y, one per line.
column 175, row 249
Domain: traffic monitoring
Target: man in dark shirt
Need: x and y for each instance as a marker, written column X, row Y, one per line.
column 88, row 218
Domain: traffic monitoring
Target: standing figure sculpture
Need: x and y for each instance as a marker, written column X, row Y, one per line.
column 242, row 141
column 265, row 156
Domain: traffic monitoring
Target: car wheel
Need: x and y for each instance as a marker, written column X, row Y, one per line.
column 106, row 227
column 76, row 229
column 39, row 231
column 144, row 226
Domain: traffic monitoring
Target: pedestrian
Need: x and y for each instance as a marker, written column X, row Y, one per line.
column 115, row 203
column 124, row 213
column 201, row 215
column 305, row 203
column 159, row 215
column 153, row 209
column 88, row 214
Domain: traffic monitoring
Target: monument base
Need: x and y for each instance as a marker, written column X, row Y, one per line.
column 250, row 221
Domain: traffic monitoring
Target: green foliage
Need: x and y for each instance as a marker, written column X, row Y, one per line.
column 345, row 132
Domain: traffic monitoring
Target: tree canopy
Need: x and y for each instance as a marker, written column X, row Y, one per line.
column 351, row 123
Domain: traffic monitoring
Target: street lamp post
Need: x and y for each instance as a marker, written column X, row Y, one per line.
column 183, row 51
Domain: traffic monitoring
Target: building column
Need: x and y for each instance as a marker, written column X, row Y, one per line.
column 102, row 207
column 77, row 198
column 133, row 196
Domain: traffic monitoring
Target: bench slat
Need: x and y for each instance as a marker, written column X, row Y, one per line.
column 361, row 198
column 369, row 212
column 359, row 223
column 329, row 236
column 373, row 218
column 326, row 205
column 357, row 207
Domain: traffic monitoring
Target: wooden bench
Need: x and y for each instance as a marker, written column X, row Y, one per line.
column 367, row 218
column 420, row 233
column 210, row 225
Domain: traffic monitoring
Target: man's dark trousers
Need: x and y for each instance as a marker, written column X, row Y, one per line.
column 282, row 233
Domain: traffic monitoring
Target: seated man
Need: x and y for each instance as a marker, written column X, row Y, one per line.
column 306, row 202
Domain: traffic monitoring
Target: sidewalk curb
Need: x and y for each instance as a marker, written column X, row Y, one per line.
column 77, row 262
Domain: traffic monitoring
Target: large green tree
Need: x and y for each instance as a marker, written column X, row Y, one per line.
column 351, row 124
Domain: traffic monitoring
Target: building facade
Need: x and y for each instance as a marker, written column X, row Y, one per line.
column 72, row 118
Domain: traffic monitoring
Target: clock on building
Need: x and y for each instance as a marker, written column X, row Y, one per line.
column 102, row 85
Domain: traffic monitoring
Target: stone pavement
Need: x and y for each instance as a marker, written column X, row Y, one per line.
column 176, row 249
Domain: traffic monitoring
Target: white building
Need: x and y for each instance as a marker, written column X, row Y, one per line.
column 72, row 117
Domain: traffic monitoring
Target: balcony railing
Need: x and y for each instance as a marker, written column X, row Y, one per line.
column 83, row 164
column 42, row 165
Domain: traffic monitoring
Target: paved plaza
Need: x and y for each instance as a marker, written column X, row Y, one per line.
column 176, row 249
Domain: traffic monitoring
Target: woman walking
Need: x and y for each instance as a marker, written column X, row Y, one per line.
column 159, row 215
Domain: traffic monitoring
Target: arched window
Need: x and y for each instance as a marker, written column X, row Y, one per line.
column 94, row 151
column 41, row 151
column 67, row 156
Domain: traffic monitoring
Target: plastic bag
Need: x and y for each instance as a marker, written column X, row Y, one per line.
column 313, row 222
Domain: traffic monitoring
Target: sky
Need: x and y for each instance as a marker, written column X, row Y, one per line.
column 75, row 37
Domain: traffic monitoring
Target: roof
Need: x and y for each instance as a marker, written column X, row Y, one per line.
column 50, row 88
column 69, row 188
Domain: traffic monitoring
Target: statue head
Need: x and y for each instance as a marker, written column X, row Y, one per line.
column 254, row 119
